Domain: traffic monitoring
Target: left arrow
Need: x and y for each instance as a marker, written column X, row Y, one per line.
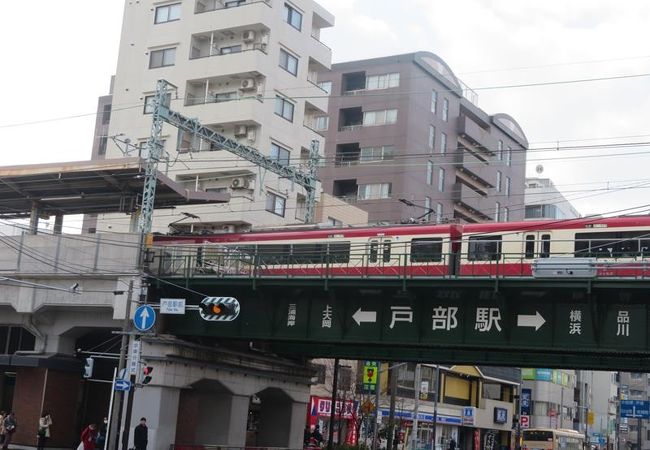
column 535, row 321
column 364, row 316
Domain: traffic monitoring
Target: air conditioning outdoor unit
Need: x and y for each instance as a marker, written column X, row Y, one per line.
column 247, row 84
column 251, row 135
column 229, row 228
column 241, row 130
column 249, row 36
column 240, row 183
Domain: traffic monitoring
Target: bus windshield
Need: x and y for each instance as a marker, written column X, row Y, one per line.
column 538, row 435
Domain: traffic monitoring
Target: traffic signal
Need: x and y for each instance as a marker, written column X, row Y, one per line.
column 146, row 374
column 88, row 368
column 217, row 309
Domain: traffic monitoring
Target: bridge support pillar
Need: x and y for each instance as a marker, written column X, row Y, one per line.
column 159, row 404
column 239, row 405
column 297, row 424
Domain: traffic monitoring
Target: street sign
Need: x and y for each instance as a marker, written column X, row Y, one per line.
column 219, row 309
column 468, row 415
column 122, row 385
column 635, row 409
column 524, row 421
column 172, row 306
column 134, row 356
column 370, row 371
column 144, row 318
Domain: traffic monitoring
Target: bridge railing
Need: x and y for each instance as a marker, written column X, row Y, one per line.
column 234, row 263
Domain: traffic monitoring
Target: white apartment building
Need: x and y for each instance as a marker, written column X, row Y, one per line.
column 544, row 201
column 245, row 68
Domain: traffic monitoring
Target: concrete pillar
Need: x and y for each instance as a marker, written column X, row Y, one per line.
column 33, row 218
column 58, row 224
column 159, row 404
column 297, row 424
column 239, row 405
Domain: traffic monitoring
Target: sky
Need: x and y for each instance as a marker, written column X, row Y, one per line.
column 58, row 58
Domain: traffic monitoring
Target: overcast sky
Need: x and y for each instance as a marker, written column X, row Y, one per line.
column 58, row 58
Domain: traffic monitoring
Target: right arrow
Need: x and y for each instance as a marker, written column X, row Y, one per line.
column 535, row 321
column 364, row 316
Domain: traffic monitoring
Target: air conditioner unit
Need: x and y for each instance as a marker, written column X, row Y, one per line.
column 251, row 135
column 240, row 183
column 249, row 36
column 229, row 228
column 241, row 130
column 247, row 84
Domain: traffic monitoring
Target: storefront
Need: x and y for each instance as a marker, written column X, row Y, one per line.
column 488, row 428
column 447, row 427
column 344, row 426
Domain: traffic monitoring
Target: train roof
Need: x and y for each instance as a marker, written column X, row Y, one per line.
column 564, row 224
column 323, row 233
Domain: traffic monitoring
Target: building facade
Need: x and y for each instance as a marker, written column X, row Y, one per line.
column 552, row 397
column 634, row 434
column 544, row 201
column 406, row 141
column 246, row 69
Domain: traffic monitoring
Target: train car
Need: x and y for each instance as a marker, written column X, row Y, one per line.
column 407, row 250
column 620, row 246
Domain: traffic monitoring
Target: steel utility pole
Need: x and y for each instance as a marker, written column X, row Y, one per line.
column 335, row 387
column 435, row 406
column 391, row 413
column 416, row 407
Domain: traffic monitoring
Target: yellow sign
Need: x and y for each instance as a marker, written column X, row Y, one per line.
column 369, row 375
column 590, row 417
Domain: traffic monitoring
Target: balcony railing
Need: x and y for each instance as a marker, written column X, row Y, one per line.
column 351, row 127
column 256, row 47
column 215, row 5
column 191, row 100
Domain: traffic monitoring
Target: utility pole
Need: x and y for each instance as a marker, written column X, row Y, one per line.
column 416, row 407
column 335, row 387
column 391, row 413
column 375, row 440
column 435, row 406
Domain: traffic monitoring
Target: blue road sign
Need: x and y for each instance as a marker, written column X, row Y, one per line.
column 635, row 409
column 144, row 318
column 122, row 385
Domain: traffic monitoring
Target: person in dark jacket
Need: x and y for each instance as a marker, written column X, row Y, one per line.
column 141, row 435
column 10, row 424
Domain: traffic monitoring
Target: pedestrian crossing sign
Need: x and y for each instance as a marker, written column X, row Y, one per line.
column 370, row 373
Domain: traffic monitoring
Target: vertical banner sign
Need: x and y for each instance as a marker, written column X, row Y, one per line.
column 526, row 395
column 370, row 371
column 134, row 357
column 424, row 390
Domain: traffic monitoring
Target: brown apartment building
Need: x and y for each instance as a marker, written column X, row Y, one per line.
column 405, row 137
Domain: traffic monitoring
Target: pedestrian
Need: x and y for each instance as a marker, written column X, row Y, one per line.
column 141, row 435
column 10, row 424
column 316, row 436
column 452, row 444
column 2, row 427
column 89, row 436
column 43, row 433
column 101, row 436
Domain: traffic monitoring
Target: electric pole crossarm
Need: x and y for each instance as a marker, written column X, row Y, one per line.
column 248, row 153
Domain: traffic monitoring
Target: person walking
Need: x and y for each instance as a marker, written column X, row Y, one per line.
column 43, row 433
column 452, row 444
column 101, row 435
column 141, row 435
column 2, row 427
column 89, row 436
column 10, row 424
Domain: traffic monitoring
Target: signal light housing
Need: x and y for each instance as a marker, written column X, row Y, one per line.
column 146, row 374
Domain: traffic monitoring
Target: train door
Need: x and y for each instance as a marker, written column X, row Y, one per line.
column 537, row 244
column 382, row 256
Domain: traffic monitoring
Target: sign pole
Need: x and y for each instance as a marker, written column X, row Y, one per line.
column 335, row 386
column 375, row 440
column 110, row 411
column 416, row 407
column 435, row 406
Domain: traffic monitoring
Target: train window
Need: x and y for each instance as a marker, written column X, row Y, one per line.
column 609, row 245
column 529, row 250
column 546, row 246
column 339, row 252
column 426, row 250
column 484, row 248
column 372, row 256
column 273, row 254
column 307, row 253
column 386, row 255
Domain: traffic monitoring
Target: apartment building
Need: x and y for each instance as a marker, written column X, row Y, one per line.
column 551, row 394
column 244, row 68
column 632, row 432
column 407, row 142
column 544, row 201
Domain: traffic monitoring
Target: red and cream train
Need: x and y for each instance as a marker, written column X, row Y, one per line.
column 620, row 246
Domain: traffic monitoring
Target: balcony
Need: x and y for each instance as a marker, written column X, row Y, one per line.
column 353, row 83
column 225, row 89
column 229, row 41
column 475, row 169
column 346, row 190
column 203, row 6
column 474, row 201
column 476, row 136
column 347, row 155
column 350, row 119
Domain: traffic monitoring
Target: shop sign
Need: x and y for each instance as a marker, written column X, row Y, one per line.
column 500, row 415
column 469, row 413
column 323, row 407
column 526, row 396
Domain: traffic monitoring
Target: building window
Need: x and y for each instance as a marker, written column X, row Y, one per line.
column 429, row 172
column 372, row 154
column 384, row 117
column 443, row 143
column 500, row 150
column 275, row 204
column 292, row 17
column 284, row 108
column 374, row 191
column 162, row 58
column 498, row 183
column 168, row 13
column 230, row 49
column 331, row 221
column 385, row 81
column 509, row 156
column 445, row 110
column 321, row 123
column 280, row 154
column 427, row 205
column 441, row 179
column 148, row 103
column 497, row 211
column 508, row 183
column 434, row 101
column 439, row 213
column 106, row 114
column 288, row 62
column 101, row 150
column 326, row 86
column 432, row 136
column 506, row 214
